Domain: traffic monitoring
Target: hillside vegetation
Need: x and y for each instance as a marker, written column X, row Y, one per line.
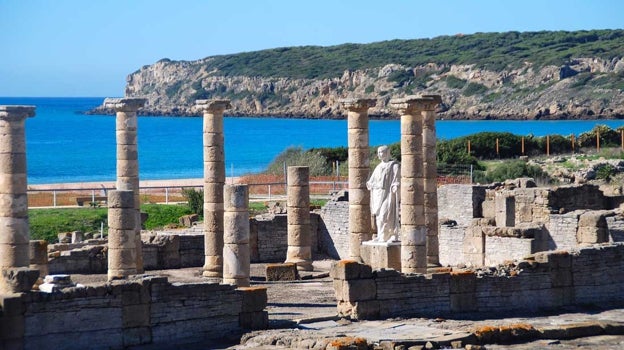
column 490, row 51
column 512, row 75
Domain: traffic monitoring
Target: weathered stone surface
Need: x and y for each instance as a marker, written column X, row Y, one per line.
column 17, row 279
column 282, row 272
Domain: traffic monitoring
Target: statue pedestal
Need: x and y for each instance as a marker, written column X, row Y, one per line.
column 381, row 255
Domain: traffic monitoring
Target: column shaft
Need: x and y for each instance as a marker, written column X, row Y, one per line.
column 214, row 180
column 236, row 253
column 122, row 260
column 359, row 169
column 299, row 249
column 430, row 186
column 14, row 232
column 128, row 162
column 416, row 139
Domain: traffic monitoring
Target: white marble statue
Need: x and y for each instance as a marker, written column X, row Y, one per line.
column 385, row 196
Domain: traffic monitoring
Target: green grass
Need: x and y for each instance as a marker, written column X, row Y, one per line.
column 46, row 224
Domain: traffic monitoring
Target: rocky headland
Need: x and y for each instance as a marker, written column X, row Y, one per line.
column 544, row 75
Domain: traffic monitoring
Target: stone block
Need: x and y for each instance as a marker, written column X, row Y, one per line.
column 298, row 196
column 366, row 310
column 359, row 157
column 17, row 279
column 381, row 255
column 254, row 298
column 359, row 290
column 349, row 270
column 281, row 272
column 14, row 230
column 120, row 199
column 412, row 215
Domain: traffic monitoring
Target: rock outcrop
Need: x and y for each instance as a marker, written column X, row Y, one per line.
column 584, row 88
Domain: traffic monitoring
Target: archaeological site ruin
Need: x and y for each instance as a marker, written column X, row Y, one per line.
column 461, row 250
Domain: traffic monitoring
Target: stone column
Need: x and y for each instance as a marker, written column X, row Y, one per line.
column 236, row 254
column 122, row 250
column 14, row 232
column 413, row 222
column 359, row 169
column 214, row 180
column 128, row 159
column 298, row 214
column 430, row 171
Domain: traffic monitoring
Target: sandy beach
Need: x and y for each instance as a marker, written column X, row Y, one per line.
column 111, row 184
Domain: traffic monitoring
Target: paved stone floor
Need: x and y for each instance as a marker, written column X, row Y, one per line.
column 302, row 315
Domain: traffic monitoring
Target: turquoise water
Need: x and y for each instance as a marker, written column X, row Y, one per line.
column 65, row 146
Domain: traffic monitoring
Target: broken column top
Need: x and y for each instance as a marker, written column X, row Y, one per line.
column 15, row 112
column 124, row 104
column 416, row 103
column 212, row 105
column 356, row 104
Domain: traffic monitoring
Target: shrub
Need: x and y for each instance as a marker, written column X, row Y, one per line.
column 605, row 172
column 474, row 89
column 194, row 200
column 453, row 82
column 513, row 170
column 297, row 156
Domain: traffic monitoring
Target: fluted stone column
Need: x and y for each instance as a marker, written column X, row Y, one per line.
column 359, row 169
column 14, row 232
column 298, row 214
column 236, row 253
column 122, row 261
column 430, row 171
column 413, row 229
column 214, row 180
column 128, row 159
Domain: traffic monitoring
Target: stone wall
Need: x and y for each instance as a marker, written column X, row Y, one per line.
column 183, row 248
column 333, row 230
column 546, row 280
column 128, row 313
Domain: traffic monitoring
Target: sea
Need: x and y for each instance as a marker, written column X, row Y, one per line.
column 65, row 145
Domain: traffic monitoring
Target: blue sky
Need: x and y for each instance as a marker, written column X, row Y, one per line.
column 88, row 47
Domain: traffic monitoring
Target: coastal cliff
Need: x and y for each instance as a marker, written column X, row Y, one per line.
column 543, row 75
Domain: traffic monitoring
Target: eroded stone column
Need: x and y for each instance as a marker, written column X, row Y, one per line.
column 128, row 159
column 359, row 169
column 298, row 214
column 413, row 221
column 14, row 232
column 214, row 180
column 236, row 253
column 122, row 260
column 39, row 258
column 430, row 171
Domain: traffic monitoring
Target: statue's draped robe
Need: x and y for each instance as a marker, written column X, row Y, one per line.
column 384, row 202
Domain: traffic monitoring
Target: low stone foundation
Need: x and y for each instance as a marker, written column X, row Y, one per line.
column 546, row 280
column 120, row 314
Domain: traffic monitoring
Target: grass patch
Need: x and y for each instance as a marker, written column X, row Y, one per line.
column 46, row 224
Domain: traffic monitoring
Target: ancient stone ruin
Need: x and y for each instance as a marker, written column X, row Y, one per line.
column 463, row 250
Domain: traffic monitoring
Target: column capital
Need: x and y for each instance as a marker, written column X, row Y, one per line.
column 124, row 104
column 358, row 104
column 411, row 104
column 212, row 106
column 14, row 113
